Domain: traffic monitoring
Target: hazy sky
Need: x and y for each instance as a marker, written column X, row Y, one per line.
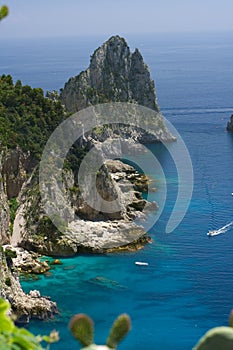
column 30, row 18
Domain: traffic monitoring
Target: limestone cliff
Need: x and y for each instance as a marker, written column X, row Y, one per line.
column 84, row 229
column 115, row 74
column 230, row 124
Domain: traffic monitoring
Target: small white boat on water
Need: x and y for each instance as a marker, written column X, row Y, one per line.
column 221, row 230
column 212, row 233
column 141, row 263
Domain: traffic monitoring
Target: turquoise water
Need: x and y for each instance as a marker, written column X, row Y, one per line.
column 187, row 287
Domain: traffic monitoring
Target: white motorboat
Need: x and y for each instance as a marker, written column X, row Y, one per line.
column 141, row 263
column 212, row 233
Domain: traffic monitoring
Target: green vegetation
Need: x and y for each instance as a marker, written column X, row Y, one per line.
column 27, row 118
column 3, row 11
column 218, row 338
column 8, row 281
column 14, row 338
column 11, row 254
column 82, row 328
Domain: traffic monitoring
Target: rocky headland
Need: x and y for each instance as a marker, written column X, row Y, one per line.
column 86, row 229
column 115, row 75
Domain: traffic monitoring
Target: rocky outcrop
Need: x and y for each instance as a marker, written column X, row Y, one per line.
column 23, row 306
column 28, row 263
column 86, row 229
column 230, row 124
column 116, row 75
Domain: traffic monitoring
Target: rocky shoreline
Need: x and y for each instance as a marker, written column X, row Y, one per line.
column 24, row 306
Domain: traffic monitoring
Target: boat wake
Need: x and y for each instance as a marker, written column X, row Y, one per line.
column 221, row 230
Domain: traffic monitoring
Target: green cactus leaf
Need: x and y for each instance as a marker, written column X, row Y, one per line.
column 82, row 328
column 6, row 323
column 231, row 319
column 219, row 338
column 119, row 330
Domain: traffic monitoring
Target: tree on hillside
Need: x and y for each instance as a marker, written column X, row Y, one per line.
column 27, row 118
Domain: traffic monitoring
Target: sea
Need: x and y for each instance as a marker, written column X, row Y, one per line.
column 187, row 286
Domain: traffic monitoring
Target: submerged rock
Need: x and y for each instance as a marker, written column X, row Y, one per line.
column 106, row 283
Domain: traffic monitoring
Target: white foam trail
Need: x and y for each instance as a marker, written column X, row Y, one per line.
column 223, row 229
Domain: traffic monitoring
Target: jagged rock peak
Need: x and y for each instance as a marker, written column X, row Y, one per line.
column 115, row 74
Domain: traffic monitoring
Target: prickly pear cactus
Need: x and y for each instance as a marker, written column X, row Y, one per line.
column 219, row 338
column 82, row 328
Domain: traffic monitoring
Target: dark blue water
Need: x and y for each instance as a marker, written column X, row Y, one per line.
column 187, row 287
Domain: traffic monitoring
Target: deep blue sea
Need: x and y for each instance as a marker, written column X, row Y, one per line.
column 188, row 286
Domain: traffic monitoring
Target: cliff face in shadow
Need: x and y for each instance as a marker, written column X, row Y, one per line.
column 4, row 211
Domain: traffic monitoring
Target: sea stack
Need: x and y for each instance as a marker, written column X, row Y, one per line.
column 114, row 75
column 230, row 124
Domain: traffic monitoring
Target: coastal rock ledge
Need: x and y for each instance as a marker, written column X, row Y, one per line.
column 23, row 306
